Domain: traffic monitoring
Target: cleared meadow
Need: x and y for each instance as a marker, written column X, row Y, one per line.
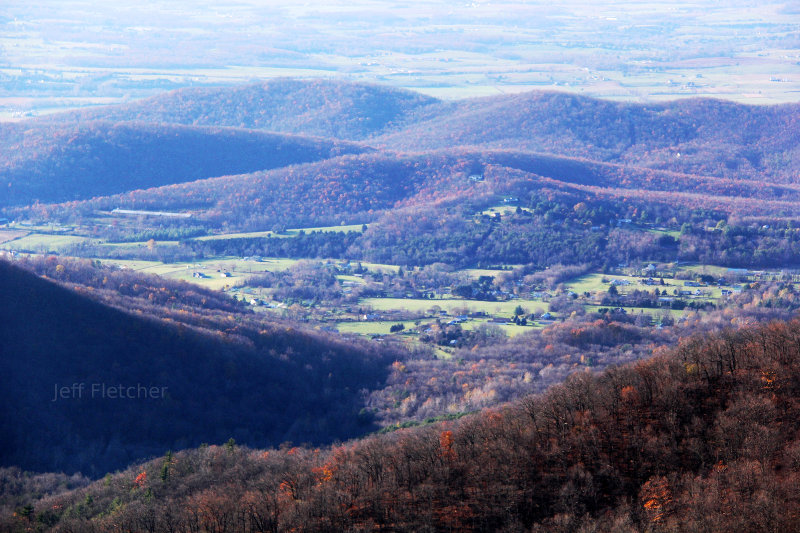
column 453, row 306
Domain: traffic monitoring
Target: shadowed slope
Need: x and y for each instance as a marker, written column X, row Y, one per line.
column 137, row 385
column 52, row 163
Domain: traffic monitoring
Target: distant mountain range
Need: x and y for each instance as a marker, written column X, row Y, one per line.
column 322, row 108
column 706, row 148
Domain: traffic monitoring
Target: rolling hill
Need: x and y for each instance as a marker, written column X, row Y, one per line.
column 60, row 162
column 112, row 386
column 696, row 152
column 324, row 108
column 358, row 188
column 540, row 195
column 694, row 136
column 699, row 153
column 697, row 136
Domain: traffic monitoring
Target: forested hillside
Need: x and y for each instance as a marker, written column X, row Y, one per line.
column 348, row 188
column 185, row 368
column 703, row 137
column 359, row 188
column 73, row 161
column 695, row 136
column 324, row 108
column 698, row 153
column 699, row 438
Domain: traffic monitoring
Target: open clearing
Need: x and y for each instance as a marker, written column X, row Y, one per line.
column 283, row 235
column 594, row 282
column 41, row 243
column 238, row 270
column 7, row 235
column 138, row 244
column 381, row 327
column 377, row 327
column 475, row 273
column 453, row 305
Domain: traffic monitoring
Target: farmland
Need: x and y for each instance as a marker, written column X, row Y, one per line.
column 366, row 299
column 373, row 316
column 10, row 235
column 42, row 243
column 344, row 228
column 453, row 306
column 731, row 51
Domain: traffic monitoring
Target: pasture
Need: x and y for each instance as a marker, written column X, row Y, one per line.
column 454, row 306
column 7, row 235
column 593, row 283
column 373, row 327
column 238, row 270
column 44, row 243
column 286, row 234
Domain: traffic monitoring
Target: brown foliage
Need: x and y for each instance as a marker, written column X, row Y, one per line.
column 696, row 439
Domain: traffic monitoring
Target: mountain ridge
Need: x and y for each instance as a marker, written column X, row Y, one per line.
column 49, row 163
column 324, row 108
column 713, row 140
column 353, row 188
column 684, row 135
column 231, row 375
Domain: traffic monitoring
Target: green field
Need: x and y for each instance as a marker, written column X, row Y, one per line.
column 38, row 242
column 48, row 229
column 512, row 330
column 594, row 283
column 288, row 233
column 475, row 273
column 378, row 327
column 55, row 242
column 248, row 235
column 7, row 235
column 502, row 210
column 711, row 270
column 138, row 244
column 378, row 267
column 133, row 264
column 353, row 279
column 672, row 233
column 453, row 305
column 239, row 269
